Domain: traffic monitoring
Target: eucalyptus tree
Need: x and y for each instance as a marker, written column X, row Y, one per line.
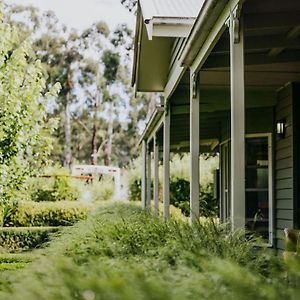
column 94, row 40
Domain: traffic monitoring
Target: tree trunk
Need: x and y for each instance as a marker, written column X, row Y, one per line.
column 95, row 154
column 67, row 125
column 110, row 136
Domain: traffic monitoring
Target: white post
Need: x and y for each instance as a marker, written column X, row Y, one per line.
column 117, row 177
column 194, row 146
column 156, row 176
column 143, row 191
column 237, row 123
column 148, row 196
column 166, row 162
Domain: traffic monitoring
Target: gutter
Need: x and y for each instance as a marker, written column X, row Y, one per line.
column 157, row 113
column 209, row 13
column 137, row 44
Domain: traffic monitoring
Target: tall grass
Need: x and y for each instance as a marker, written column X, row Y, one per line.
column 121, row 252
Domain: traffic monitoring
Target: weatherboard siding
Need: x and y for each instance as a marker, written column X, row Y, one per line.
column 284, row 173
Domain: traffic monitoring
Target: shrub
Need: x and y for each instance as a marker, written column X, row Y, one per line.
column 60, row 213
column 7, row 212
column 59, row 189
column 24, row 238
column 180, row 196
column 135, row 187
column 102, row 190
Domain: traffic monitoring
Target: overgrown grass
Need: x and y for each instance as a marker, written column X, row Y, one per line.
column 121, row 252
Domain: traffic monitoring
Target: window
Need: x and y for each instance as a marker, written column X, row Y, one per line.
column 258, row 168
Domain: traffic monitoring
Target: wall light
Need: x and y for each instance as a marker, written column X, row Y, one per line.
column 280, row 129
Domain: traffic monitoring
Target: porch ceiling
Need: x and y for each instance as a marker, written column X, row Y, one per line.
column 272, row 37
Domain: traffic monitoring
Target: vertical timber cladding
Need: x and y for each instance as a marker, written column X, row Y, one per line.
column 284, row 165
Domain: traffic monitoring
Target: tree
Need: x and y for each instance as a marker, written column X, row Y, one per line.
column 25, row 141
column 94, row 38
column 99, row 115
column 130, row 4
column 59, row 51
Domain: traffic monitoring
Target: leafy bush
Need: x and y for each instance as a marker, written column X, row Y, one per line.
column 58, row 189
column 102, row 190
column 24, row 238
column 25, row 129
column 7, row 212
column 180, row 196
column 135, row 188
column 60, row 213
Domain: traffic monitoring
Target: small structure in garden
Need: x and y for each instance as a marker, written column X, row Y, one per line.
column 96, row 169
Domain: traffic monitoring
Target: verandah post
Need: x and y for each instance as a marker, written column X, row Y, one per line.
column 143, row 187
column 237, row 86
column 148, row 181
column 166, row 164
column 194, row 146
column 156, row 175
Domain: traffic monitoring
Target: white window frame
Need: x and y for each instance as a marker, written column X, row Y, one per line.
column 270, row 179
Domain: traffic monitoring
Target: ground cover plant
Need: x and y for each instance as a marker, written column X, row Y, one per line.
column 121, row 252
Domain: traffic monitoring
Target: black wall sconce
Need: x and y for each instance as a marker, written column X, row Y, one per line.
column 280, row 129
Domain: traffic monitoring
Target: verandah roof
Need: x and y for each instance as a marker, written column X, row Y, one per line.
column 159, row 22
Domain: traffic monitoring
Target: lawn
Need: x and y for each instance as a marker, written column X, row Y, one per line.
column 121, row 252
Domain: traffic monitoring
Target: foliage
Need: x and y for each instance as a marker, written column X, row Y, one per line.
column 130, row 4
column 180, row 195
column 58, row 189
column 25, row 140
column 135, row 188
column 24, row 238
column 180, row 186
column 101, row 190
column 8, row 212
column 124, row 253
column 111, row 62
column 31, row 214
column 99, row 115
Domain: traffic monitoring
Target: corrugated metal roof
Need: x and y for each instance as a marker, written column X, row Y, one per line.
column 171, row 8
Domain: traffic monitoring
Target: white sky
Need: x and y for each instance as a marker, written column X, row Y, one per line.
column 80, row 14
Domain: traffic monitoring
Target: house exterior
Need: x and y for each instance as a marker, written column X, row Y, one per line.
column 229, row 75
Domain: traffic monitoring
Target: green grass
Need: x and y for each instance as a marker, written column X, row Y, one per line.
column 123, row 253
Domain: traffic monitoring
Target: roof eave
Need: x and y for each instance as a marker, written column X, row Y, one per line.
column 202, row 26
column 137, row 45
column 157, row 113
column 168, row 26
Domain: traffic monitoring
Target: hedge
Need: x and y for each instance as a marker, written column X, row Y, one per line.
column 62, row 213
column 23, row 238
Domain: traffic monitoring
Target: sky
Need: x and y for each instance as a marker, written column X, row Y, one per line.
column 80, row 14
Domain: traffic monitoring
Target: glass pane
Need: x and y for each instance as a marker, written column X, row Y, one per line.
column 257, row 152
column 257, row 212
column 257, row 178
column 257, row 185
